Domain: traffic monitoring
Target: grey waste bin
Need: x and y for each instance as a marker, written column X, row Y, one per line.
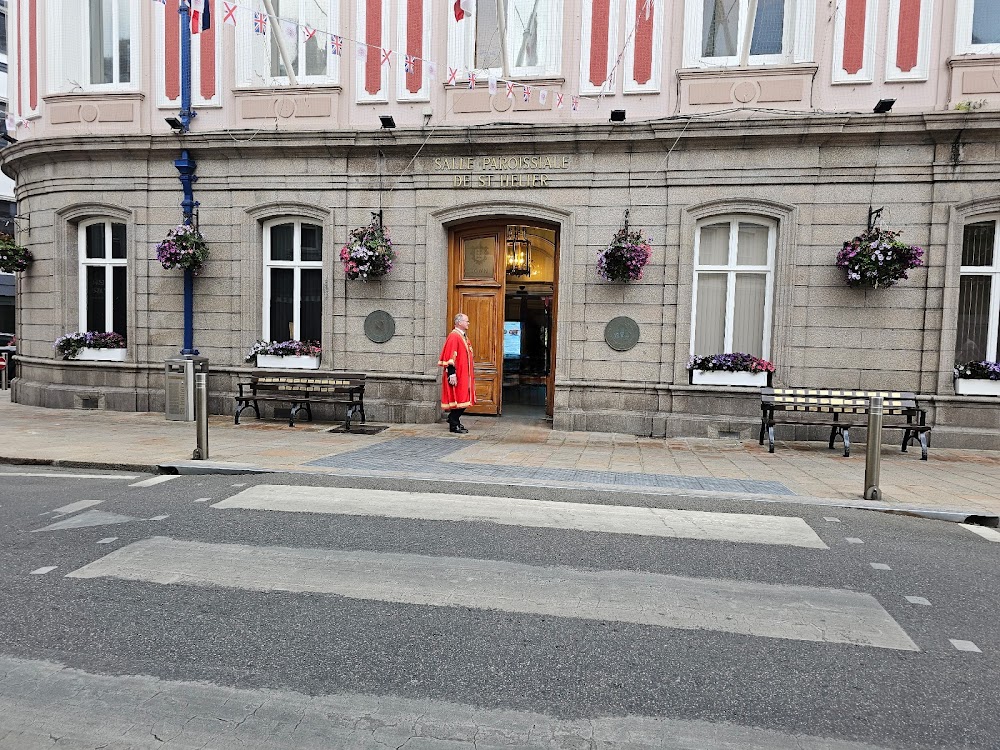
column 179, row 374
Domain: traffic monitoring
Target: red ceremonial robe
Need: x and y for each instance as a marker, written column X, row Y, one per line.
column 457, row 351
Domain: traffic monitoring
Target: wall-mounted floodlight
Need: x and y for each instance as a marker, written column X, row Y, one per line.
column 387, row 122
column 883, row 106
column 618, row 115
column 175, row 124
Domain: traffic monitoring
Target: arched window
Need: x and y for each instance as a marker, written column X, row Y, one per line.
column 293, row 280
column 733, row 285
column 103, row 276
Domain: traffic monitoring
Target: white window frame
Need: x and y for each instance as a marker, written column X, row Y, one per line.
column 197, row 99
column 586, row 87
column 652, row 86
column 866, row 73
column 296, row 264
column 993, row 271
column 922, row 69
column 462, row 49
column 797, row 44
column 107, row 262
column 964, row 10
column 402, row 93
column 69, row 69
column 731, row 270
column 247, row 74
column 360, row 67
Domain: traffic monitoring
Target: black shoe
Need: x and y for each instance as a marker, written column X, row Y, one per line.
column 457, row 428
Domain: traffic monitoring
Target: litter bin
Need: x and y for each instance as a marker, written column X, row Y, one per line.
column 180, row 373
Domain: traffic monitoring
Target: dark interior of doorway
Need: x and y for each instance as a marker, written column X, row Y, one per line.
column 527, row 348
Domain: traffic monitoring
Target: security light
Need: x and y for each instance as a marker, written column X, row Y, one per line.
column 618, row 115
column 883, row 106
column 175, row 124
column 387, row 122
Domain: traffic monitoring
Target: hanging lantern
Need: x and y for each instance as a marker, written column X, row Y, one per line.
column 518, row 251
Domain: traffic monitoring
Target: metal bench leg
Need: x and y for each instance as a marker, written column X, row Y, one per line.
column 907, row 437
column 845, row 432
column 763, row 426
column 770, row 438
column 923, row 446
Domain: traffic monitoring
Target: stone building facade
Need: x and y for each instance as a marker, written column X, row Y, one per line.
column 763, row 136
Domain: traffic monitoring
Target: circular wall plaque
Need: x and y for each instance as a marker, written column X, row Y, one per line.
column 380, row 326
column 621, row 334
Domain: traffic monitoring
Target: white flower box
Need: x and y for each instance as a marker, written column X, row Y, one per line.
column 724, row 377
column 977, row 387
column 102, row 355
column 294, row 362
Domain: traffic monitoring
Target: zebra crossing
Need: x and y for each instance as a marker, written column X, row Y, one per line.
column 793, row 612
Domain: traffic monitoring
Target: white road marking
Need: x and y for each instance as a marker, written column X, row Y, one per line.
column 775, row 611
column 107, row 540
column 158, row 518
column 965, row 646
column 918, row 600
column 43, row 571
column 616, row 519
column 986, row 533
column 880, row 566
column 86, row 519
column 241, row 484
column 831, row 519
column 78, row 505
column 55, row 475
column 852, row 540
column 203, row 500
column 155, row 480
column 128, row 707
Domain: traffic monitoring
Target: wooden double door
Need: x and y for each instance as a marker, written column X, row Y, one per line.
column 477, row 283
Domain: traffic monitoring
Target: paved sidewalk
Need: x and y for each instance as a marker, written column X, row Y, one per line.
column 509, row 451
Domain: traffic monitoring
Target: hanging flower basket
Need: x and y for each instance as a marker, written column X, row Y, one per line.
column 368, row 253
column 13, row 257
column 624, row 259
column 877, row 258
column 183, row 247
column 93, row 345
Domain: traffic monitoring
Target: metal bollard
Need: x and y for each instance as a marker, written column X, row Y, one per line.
column 873, row 452
column 201, row 415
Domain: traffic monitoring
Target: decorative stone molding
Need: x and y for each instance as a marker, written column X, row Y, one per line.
column 72, row 109
column 288, row 104
column 788, row 85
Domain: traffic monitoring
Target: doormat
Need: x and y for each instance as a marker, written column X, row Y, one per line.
column 360, row 429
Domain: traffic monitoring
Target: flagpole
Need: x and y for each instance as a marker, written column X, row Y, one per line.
column 280, row 40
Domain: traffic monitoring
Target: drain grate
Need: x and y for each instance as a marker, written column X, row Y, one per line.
column 360, row 429
column 90, row 402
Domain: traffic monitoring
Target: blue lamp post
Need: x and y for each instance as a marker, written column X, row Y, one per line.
column 186, row 167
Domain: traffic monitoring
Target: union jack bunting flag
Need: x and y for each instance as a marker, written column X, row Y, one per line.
column 409, row 63
column 259, row 23
column 576, row 103
column 336, row 44
column 229, row 13
column 527, row 93
column 472, row 79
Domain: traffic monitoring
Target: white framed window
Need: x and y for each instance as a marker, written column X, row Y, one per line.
column 94, row 45
column 413, row 34
column 721, row 33
column 854, row 52
column 733, row 285
column 293, row 280
column 534, row 39
column 305, row 27
column 979, row 291
column 103, row 276
column 908, row 46
column 977, row 27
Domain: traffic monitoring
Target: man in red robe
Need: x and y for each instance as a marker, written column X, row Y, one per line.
column 458, row 386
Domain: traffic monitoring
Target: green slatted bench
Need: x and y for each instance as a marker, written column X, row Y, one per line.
column 840, row 410
column 301, row 390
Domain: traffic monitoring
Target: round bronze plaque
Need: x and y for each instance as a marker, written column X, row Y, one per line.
column 380, row 326
column 621, row 334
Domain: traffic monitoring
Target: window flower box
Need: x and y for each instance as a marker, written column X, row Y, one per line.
column 731, row 369
column 977, row 379
column 93, row 346
column 291, row 362
column 286, row 355
column 102, row 355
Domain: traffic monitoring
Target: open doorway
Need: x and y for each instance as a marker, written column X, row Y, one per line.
column 503, row 275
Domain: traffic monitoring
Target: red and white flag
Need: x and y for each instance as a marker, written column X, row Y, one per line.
column 308, row 32
column 386, row 57
column 201, row 16
column 463, row 8
column 559, row 101
column 510, row 89
column 229, row 13
column 452, row 72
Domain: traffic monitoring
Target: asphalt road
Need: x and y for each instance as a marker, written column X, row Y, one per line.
column 172, row 623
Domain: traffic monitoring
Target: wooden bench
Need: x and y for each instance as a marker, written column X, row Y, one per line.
column 301, row 390
column 900, row 411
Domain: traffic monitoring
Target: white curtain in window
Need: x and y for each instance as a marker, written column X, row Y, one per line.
column 710, row 317
column 752, row 245
column 748, row 313
column 713, row 247
column 534, row 36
